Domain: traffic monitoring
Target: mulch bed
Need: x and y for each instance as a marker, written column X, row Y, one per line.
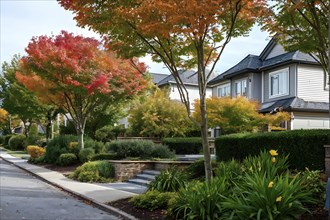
column 127, row 207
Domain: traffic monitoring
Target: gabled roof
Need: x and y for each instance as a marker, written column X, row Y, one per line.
column 250, row 63
column 157, row 77
column 294, row 104
column 187, row 76
column 254, row 63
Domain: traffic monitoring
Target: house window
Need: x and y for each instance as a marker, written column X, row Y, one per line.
column 224, row 90
column 279, row 83
column 327, row 82
column 241, row 88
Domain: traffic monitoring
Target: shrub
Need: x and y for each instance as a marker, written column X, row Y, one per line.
column 312, row 181
column 105, row 134
column 38, row 160
column 192, row 145
column 139, row 148
column 86, row 154
column 60, row 145
column 35, row 151
column 105, row 156
column 201, row 200
column 32, row 135
column 96, row 171
column 170, row 180
column 305, row 147
column 67, row 159
column 6, row 139
column 132, row 148
column 196, row 170
column 2, row 139
column 17, row 142
column 98, row 147
column 152, row 200
column 161, row 151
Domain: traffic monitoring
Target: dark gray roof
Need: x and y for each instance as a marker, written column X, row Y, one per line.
column 253, row 63
column 157, row 77
column 294, row 104
column 187, row 76
column 248, row 64
column 295, row 56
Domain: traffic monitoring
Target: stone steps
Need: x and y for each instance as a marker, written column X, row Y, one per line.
column 145, row 177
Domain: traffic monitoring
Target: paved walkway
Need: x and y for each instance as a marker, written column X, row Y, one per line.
column 97, row 194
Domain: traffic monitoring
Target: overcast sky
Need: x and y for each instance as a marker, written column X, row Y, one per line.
column 23, row 19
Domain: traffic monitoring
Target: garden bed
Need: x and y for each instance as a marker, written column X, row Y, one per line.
column 129, row 208
column 126, row 206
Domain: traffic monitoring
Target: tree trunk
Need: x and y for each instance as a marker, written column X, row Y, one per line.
column 202, row 95
column 80, row 133
column 205, row 141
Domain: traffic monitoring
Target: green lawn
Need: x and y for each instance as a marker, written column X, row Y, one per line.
column 18, row 153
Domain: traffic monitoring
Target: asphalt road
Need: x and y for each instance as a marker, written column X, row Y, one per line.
column 23, row 196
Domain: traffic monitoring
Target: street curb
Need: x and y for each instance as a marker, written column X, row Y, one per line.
column 107, row 208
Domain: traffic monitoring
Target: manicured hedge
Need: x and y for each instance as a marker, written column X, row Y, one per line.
column 189, row 145
column 139, row 148
column 305, row 147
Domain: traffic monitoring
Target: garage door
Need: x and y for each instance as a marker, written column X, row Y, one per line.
column 310, row 123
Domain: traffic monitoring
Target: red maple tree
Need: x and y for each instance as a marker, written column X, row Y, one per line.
column 73, row 73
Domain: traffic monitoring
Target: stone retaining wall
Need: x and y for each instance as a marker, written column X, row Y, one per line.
column 125, row 169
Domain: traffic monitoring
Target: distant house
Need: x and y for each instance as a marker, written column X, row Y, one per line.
column 280, row 80
column 190, row 80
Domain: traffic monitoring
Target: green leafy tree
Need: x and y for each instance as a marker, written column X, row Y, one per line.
column 179, row 33
column 303, row 25
column 16, row 99
column 105, row 115
column 158, row 116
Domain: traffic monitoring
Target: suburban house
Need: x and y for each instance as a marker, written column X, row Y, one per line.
column 190, row 80
column 280, row 80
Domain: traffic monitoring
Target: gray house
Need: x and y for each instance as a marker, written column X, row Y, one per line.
column 292, row 81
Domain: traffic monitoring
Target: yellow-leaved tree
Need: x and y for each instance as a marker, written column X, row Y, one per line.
column 158, row 116
column 235, row 115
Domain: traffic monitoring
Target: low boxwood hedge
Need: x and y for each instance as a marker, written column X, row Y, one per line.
column 187, row 145
column 305, row 147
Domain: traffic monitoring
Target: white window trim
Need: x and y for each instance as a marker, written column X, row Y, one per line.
column 288, row 84
column 247, row 86
column 223, row 86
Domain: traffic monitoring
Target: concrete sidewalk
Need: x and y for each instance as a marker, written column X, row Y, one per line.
column 96, row 194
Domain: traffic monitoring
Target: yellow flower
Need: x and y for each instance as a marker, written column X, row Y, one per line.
column 273, row 152
column 279, row 199
column 273, row 159
column 270, row 185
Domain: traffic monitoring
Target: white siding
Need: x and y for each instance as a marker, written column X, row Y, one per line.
column 310, row 121
column 276, row 51
column 193, row 93
column 310, row 84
